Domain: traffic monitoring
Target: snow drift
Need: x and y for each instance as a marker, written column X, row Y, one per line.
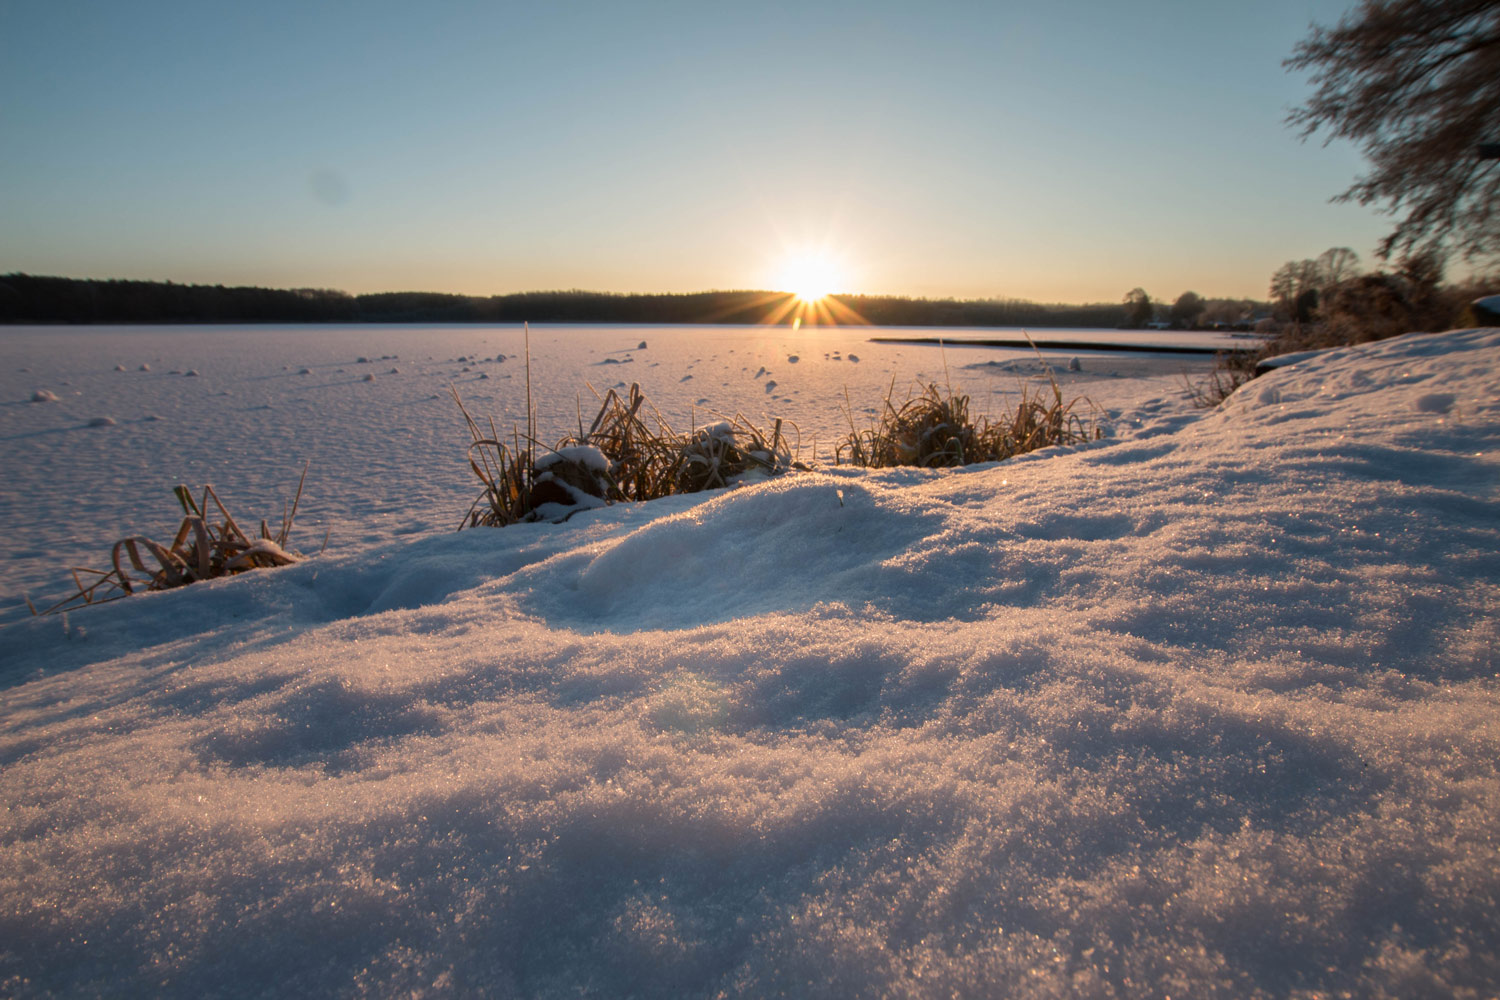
column 1209, row 708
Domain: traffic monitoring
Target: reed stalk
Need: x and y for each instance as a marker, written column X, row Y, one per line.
column 209, row 543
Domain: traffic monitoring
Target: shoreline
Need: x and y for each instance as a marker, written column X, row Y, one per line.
column 1053, row 345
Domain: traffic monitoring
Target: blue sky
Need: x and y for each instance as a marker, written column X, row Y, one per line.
column 1063, row 151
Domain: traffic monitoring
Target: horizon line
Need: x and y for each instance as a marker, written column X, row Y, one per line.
column 607, row 294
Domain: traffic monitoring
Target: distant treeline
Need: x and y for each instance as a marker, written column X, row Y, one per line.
column 30, row 299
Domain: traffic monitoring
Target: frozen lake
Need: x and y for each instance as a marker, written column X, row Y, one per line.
column 140, row 409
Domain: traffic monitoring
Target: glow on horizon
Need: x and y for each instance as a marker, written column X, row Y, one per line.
column 812, row 275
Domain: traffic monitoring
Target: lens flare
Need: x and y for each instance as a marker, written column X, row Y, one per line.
column 811, row 276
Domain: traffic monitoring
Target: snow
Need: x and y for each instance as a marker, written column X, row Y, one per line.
column 569, row 481
column 1291, row 358
column 387, row 457
column 586, row 456
column 1206, row 708
column 259, row 547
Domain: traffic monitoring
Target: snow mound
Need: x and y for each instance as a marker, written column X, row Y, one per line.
column 727, row 558
column 585, row 455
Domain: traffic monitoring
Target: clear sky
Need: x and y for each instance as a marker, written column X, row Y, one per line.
column 1057, row 151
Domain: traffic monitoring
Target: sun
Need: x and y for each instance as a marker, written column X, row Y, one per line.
column 810, row 275
column 809, row 280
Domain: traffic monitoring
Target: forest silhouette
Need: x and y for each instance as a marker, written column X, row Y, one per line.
column 33, row 299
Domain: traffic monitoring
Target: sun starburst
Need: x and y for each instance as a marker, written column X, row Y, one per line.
column 811, row 275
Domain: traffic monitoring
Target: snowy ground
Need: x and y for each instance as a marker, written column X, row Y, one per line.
column 138, row 410
column 1208, row 708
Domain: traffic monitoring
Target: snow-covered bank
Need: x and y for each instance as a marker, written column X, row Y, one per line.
column 1206, row 710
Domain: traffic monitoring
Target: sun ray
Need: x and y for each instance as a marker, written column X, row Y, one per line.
column 811, row 275
column 810, row 279
column 827, row 311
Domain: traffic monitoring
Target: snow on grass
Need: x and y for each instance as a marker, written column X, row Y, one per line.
column 1207, row 709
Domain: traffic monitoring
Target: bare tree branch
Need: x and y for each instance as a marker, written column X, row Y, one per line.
column 1415, row 84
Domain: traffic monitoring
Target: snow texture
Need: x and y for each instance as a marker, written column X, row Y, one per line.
column 1207, row 708
column 586, row 456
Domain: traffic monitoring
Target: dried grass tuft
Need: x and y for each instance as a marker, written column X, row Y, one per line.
column 506, row 473
column 1231, row 370
column 646, row 460
column 712, row 456
column 639, row 444
column 935, row 430
column 209, row 543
